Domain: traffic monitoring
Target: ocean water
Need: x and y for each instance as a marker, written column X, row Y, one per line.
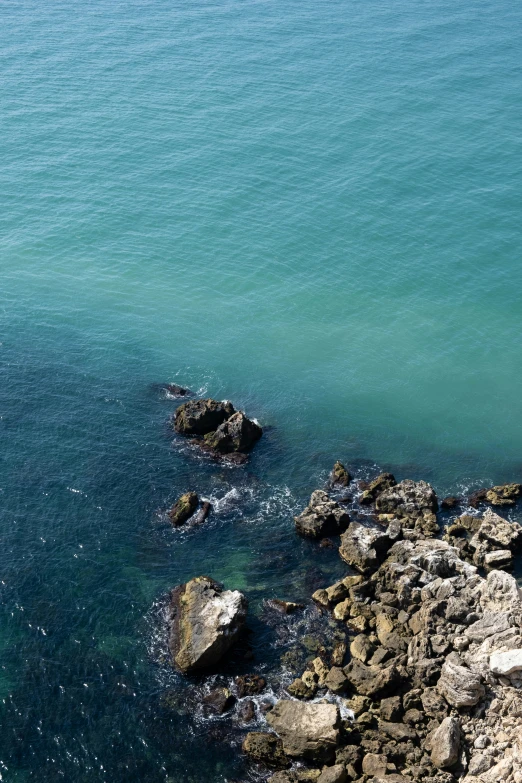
column 310, row 208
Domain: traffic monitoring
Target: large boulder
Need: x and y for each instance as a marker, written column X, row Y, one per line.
column 504, row 495
column 322, row 517
column 459, row 685
column 265, row 749
column 308, row 731
column 238, row 433
column 408, row 499
column 198, row 417
column 445, row 743
column 205, row 621
column 365, row 547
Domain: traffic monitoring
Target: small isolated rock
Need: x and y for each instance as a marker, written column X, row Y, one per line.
column 177, row 391
column 266, row 749
column 205, row 621
column 308, row 731
column 247, row 711
column 445, row 743
column 236, row 434
column 339, row 475
column 322, row 517
column 249, row 684
column 183, row 508
column 335, row 774
column 285, row 607
column 505, row 663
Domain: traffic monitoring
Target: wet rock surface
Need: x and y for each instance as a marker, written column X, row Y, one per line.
column 322, row 517
column 217, row 428
column 183, row 508
column 205, row 621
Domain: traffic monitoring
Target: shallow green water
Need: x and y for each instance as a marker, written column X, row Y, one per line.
column 312, row 209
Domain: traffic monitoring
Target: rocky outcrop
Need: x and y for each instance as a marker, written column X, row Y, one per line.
column 322, row 517
column 308, row 731
column 339, row 477
column 364, row 546
column 504, row 495
column 199, row 417
column 183, row 508
column 217, row 427
column 408, row 499
column 205, row 621
column 372, row 489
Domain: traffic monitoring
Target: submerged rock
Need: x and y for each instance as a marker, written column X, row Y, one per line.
column 205, row 621
column 339, row 476
column 198, row 417
column 183, row 508
column 178, row 391
column 322, row 517
column 308, row 731
column 219, row 700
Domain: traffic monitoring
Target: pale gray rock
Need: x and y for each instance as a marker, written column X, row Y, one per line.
column 364, row 547
column 445, row 743
column 459, row 685
column 491, row 623
column 308, row 730
column 407, row 499
column 499, row 593
column 505, row 663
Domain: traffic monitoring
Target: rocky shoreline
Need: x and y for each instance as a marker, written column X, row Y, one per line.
column 421, row 676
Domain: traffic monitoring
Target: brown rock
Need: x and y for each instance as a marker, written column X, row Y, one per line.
column 266, row 749
column 183, row 508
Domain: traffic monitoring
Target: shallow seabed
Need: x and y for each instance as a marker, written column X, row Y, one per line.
column 311, row 209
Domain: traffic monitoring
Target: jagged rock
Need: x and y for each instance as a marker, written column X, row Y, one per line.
column 449, row 503
column 391, row 708
column 407, row 499
column 365, row 547
column 339, row 475
column 489, row 624
column 376, row 486
column 266, row 749
column 335, row 774
column 445, row 743
column 504, row 663
column 183, row 508
column 495, row 533
column 499, row 593
column 336, row 680
column 205, row 621
column 249, row 684
column 219, row 700
column 459, row 685
column 308, row 731
column 371, row 680
column 504, row 495
column 498, row 559
column 198, row 417
column 322, row 517
column 236, row 434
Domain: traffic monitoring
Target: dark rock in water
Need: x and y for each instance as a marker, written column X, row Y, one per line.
column 266, row 749
column 203, row 512
column 247, row 711
column 178, row 391
column 327, row 543
column 375, row 487
column 205, row 621
column 477, row 497
column 219, row 700
column 237, row 434
column 504, row 495
column 322, row 517
column 249, row 684
column 285, row 607
column 183, row 508
column 449, row 502
column 339, row 476
column 198, row 417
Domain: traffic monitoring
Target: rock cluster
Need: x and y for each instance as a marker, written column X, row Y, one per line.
column 217, row 427
column 322, row 517
column 434, row 676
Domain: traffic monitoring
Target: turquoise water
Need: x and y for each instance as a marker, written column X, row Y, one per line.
column 311, row 209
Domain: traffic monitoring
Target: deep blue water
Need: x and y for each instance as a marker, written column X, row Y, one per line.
column 311, row 209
